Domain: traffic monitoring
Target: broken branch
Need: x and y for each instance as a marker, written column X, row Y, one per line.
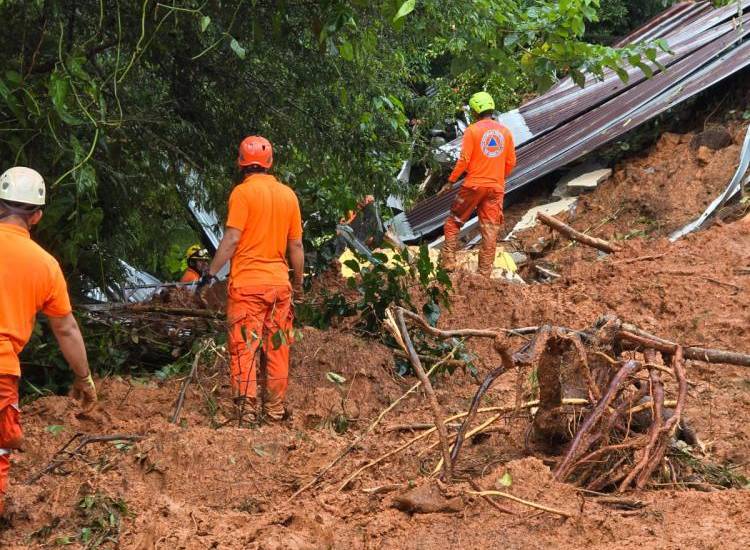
column 599, row 244
column 632, row 333
column 185, row 384
column 431, row 397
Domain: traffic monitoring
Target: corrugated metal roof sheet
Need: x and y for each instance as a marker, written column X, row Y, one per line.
column 569, row 122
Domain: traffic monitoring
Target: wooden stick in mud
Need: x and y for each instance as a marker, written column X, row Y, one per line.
column 557, row 225
column 63, row 455
column 521, row 501
column 631, row 333
column 185, row 383
column 431, row 397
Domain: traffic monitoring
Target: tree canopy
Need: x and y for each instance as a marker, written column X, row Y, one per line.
column 122, row 104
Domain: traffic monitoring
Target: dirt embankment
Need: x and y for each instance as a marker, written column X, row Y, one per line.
column 204, row 483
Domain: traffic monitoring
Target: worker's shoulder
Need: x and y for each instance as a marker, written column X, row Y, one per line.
column 283, row 190
column 481, row 126
column 33, row 255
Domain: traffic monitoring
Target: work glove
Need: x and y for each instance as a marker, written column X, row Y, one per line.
column 206, row 280
column 84, row 390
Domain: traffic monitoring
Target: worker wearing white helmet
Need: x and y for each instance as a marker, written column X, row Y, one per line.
column 30, row 281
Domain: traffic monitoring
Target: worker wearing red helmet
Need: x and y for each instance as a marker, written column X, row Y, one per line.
column 488, row 156
column 263, row 227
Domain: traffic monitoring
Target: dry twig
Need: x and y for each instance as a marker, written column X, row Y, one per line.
column 185, row 383
column 63, row 454
column 521, row 501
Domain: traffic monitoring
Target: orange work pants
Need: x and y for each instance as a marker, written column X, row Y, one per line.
column 260, row 316
column 10, row 428
column 487, row 201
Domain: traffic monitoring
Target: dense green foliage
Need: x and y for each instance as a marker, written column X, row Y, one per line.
column 122, row 104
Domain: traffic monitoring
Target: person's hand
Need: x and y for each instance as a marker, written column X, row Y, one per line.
column 84, row 390
column 445, row 189
column 206, row 280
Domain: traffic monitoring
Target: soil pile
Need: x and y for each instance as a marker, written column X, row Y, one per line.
column 206, row 483
column 657, row 192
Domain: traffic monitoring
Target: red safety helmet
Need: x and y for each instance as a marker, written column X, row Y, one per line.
column 255, row 151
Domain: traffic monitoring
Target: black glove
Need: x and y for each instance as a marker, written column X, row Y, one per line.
column 206, row 280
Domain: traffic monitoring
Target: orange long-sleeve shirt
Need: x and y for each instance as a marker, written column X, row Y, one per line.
column 488, row 155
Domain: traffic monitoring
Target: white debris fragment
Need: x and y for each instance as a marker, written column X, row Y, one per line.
column 529, row 218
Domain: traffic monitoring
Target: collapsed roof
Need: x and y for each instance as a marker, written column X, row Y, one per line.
column 567, row 122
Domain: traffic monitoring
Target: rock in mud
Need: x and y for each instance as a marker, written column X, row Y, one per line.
column 713, row 138
column 427, row 499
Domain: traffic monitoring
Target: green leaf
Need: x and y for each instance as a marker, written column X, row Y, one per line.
column 59, row 86
column 353, row 265
column 505, row 481
column 335, row 378
column 205, row 22
column 55, row 429
column 237, row 48
column 279, row 339
column 405, row 9
column 346, row 51
column 510, row 39
column 578, row 77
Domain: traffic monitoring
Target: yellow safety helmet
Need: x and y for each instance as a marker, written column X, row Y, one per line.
column 481, row 102
column 197, row 252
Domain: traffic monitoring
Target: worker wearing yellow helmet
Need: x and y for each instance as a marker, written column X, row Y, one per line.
column 487, row 156
column 197, row 263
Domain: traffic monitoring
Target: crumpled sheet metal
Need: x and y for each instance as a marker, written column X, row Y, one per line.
column 734, row 187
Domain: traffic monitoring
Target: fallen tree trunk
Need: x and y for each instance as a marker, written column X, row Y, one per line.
column 557, row 225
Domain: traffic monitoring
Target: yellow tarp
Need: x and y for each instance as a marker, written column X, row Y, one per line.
column 465, row 259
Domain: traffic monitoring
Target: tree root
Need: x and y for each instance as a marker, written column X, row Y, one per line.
column 626, row 421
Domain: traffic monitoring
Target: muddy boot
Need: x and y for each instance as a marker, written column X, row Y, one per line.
column 245, row 411
column 448, row 253
column 274, row 409
column 487, row 247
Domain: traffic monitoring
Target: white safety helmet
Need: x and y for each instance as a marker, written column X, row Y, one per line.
column 22, row 185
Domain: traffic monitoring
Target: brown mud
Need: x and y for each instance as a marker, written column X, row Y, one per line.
column 201, row 484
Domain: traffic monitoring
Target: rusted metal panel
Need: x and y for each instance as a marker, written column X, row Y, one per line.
column 708, row 48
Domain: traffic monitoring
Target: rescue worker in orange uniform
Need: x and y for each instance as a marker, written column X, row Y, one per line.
column 264, row 225
column 197, row 262
column 488, row 156
column 30, row 281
